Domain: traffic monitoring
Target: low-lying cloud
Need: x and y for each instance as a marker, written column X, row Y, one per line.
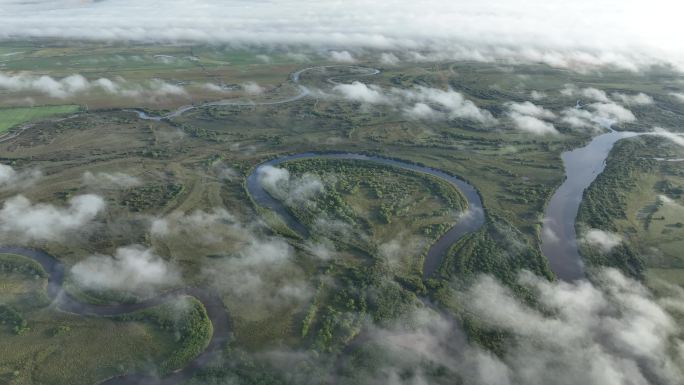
column 360, row 92
column 676, row 138
column 596, row 115
column 610, row 332
column 420, row 103
column 342, row 57
column 279, row 183
column 12, row 179
column 572, row 34
column 256, row 271
column 76, row 84
column 131, row 268
column 597, row 95
column 633, row 99
column 603, row 240
column 529, row 117
column 200, row 228
column 22, row 220
column 263, row 273
column 252, row 88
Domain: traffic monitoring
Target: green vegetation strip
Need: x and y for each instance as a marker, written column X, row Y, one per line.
column 188, row 321
column 10, row 263
column 11, row 117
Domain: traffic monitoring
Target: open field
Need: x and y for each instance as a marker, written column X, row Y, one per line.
column 12, row 117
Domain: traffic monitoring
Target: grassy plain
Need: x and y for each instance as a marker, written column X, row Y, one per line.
column 12, row 117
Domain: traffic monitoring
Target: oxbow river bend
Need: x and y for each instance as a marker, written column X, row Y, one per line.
column 468, row 222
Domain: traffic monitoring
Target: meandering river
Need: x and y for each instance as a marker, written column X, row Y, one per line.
column 559, row 243
column 469, row 221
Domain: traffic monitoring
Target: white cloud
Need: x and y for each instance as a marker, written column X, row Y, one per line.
column 595, row 94
column 261, row 275
column 418, row 102
column 342, row 57
column 12, row 179
column 528, row 117
column 532, row 125
column 76, row 84
column 665, row 200
column 674, row 137
column 203, row 228
column 610, row 332
column 614, row 112
column 591, row 93
column 568, row 34
column 604, row 240
column 131, row 268
column 597, row 115
column 451, row 103
column 633, row 99
column 360, row 92
column 110, row 180
column 388, row 58
column 227, row 173
column 531, row 109
column 252, row 88
column 264, row 58
column 601, row 96
column 613, row 332
column 22, row 220
column 279, row 183
column 298, row 57
column 678, row 96
column 421, row 111
column 214, row 87
column 578, row 118
column 538, row 95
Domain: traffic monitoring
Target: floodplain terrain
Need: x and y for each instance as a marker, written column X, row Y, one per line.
column 173, row 194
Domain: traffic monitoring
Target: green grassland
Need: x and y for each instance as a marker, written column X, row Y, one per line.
column 23, row 283
column 12, row 117
column 179, row 163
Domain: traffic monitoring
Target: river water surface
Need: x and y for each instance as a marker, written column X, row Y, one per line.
column 559, row 238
